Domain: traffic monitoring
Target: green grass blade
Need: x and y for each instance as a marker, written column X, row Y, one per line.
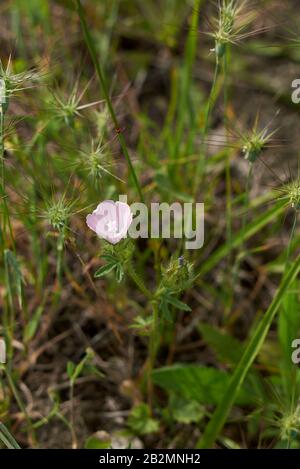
column 90, row 44
column 221, row 413
column 7, row 438
column 190, row 54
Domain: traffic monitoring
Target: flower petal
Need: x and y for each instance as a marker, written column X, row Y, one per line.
column 91, row 221
column 110, row 220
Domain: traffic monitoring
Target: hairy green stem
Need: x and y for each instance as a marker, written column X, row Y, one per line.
column 138, row 280
column 153, row 342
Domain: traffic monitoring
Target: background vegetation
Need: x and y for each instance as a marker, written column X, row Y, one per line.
column 164, row 100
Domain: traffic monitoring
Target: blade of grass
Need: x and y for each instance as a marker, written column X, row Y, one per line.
column 90, row 45
column 7, row 438
column 190, row 54
column 256, row 341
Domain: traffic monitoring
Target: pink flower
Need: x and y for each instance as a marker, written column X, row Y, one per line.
column 110, row 220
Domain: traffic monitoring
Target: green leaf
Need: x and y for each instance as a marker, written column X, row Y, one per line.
column 227, row 348
column 185, row 411
column 14, row 276
column 119, row 272
column 105, row 269
column 109, row 258
column 165, row 311
column 92, row 371
column 70, row 369
column 141, row 422
column 74, row 371
column 172, row 300
column 193, row 382
column 142, row 324
column 78, row 370
column 33, row 323
column 99, row 440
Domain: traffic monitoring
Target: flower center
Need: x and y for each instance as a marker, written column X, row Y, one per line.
column 111, row 226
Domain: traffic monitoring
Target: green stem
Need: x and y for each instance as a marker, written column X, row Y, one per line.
column 60, row 253
column 289, row 247
column 247, row 198
column 154, row 327
column 138, row 281
column 227, row 167
column 153, row 348
column 90, row 44
column 228, row 181
column 254, row 345
column 236, row 267
column 153, row 341
column 211, row 100
column 72, row 423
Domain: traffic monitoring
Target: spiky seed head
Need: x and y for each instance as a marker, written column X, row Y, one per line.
column 293, row 192
column 252, row 149
column 58, row 212
column 66, row 107
column 229, row 25
column 225, row 29
column 255, row 141
column 96, row 161
column 94, row 165
column 11, row 83
column 69, row 106
column 290, row 425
